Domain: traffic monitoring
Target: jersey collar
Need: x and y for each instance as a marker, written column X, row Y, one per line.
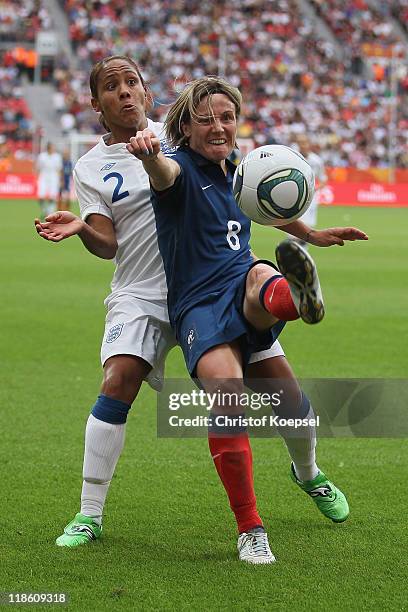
column 203, row 161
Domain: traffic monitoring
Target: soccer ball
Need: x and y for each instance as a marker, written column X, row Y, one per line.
column 273, row 185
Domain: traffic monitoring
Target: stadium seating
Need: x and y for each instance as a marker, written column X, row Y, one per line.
column 291, row 78
column 20, row 20
column 16, row 126
column 356, row 22
column 399, row 10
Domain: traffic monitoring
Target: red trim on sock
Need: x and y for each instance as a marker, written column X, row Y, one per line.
column 278, row 301
column 232, row 457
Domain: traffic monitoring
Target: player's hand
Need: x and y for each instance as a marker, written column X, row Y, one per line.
column 58, row 226
column 144, row 145
column 335, row 235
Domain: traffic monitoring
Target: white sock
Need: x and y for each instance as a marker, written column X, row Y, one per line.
column 103, row 446
column 302, row 449
column 51, row 207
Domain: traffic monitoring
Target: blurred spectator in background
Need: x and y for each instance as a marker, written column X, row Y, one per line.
column 49, row 167
column 292, row 79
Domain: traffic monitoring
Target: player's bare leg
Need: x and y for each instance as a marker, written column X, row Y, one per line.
column 231, row 451
column 104, row 440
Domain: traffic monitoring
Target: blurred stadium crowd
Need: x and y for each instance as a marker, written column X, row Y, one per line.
column 293, row 80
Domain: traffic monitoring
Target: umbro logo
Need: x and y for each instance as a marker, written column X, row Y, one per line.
column 85, row 529
column 107, row 166
column 320, row 492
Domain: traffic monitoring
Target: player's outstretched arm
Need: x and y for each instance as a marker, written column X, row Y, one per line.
column 335, row 235
column 58, row 226
column 97, row 233
column 325, row 237
column 162, row 170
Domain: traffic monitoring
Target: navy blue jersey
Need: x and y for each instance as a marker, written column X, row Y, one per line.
column 66, row 174
column 203, row 236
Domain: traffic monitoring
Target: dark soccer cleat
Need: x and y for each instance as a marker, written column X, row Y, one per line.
column 299, row 269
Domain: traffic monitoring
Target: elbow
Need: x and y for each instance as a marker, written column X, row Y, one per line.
column 110, row 251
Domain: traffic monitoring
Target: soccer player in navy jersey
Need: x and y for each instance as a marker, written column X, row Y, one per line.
column 223, row 305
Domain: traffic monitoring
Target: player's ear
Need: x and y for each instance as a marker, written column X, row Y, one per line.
column 186, row 128
column 95, row 105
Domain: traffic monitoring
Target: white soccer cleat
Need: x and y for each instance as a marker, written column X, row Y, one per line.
column 299, row 269
column 253, row 547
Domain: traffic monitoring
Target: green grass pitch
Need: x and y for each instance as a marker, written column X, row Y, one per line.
column 169, row 538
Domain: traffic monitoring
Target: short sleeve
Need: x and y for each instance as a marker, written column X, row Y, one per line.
column 90, row 201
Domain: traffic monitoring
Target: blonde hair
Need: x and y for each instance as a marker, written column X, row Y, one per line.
column 185, row 107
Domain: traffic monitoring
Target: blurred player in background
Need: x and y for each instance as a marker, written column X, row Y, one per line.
column 49, row 167
column 225, row 308
column 66, row 179
column 317, row 164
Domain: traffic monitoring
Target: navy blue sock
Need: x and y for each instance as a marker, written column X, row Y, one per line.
column 110, row 410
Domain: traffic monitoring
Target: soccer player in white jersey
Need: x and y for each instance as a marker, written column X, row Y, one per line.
column 317, row 164
column 118, row 221
column 49, row 167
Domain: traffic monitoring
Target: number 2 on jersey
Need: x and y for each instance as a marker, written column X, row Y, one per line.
column 116, row 195
column 234, row 227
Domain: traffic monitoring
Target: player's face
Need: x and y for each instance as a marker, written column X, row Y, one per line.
column 121, row 97
column 213, row 131
column 304, row 146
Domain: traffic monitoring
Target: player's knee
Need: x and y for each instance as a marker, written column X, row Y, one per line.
column 255, row 279
column 295, row 405
column 226, row 396
column 120, row 384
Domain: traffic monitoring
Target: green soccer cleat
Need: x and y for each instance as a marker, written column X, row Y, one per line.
column 327, row 497
column 81, row 530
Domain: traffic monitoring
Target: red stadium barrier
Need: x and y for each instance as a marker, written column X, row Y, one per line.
column 18, row 185
column 364, row 194
column 333, row 194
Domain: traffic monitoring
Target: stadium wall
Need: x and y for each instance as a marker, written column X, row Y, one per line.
column 336, row 192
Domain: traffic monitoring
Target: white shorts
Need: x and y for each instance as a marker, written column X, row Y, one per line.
column 141, row 328
column 48, row 186
column 274, row 351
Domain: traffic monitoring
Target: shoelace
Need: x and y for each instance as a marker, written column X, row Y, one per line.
column 258, row 543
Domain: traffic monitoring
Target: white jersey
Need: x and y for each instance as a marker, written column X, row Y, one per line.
column 49, row 163
column 49, row 166
column 317, row 165
column 110, row 181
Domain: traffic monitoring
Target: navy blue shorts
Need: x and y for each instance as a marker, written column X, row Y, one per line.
column 220, row 320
